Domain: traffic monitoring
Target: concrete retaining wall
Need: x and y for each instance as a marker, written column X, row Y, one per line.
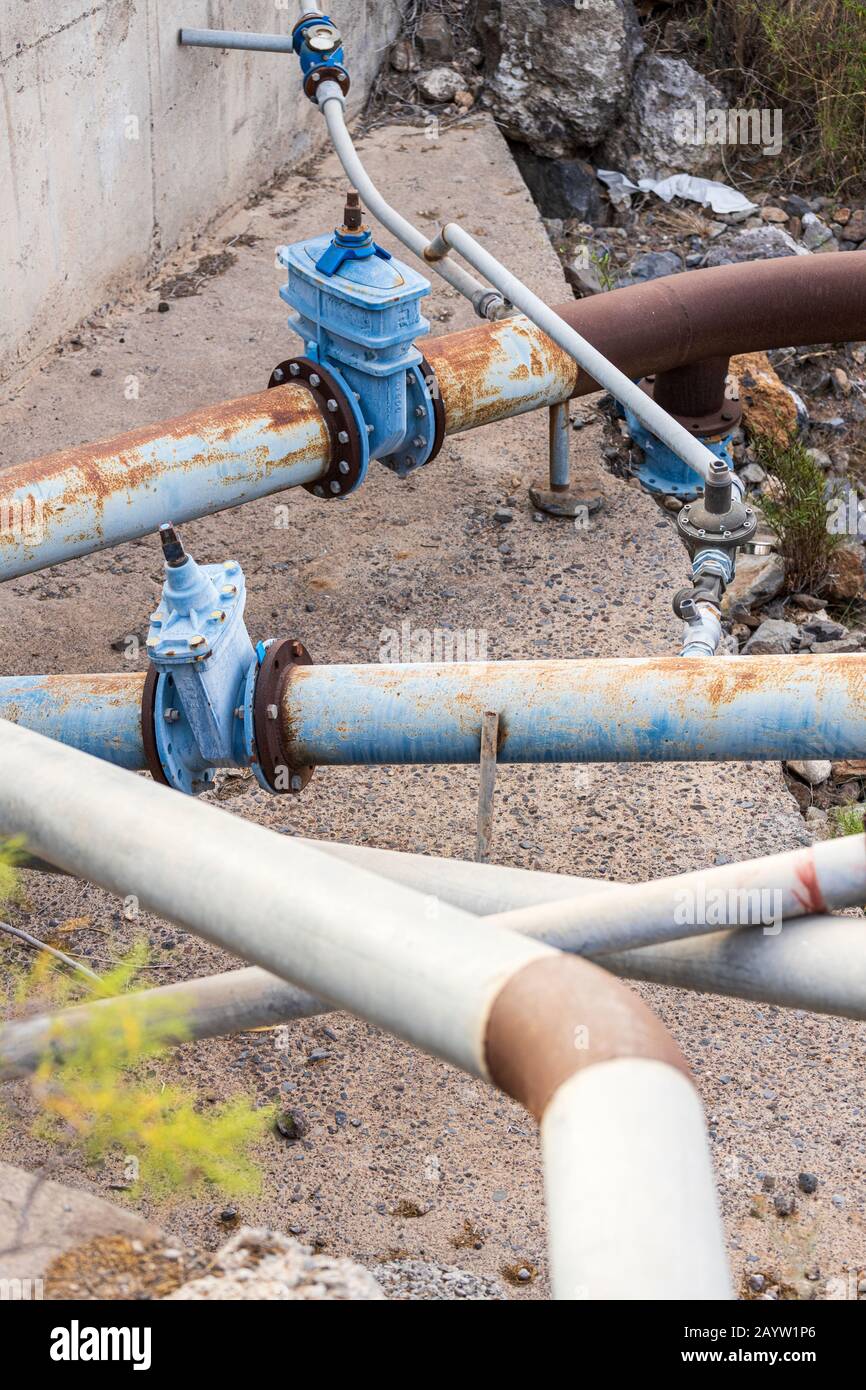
column 116, row 143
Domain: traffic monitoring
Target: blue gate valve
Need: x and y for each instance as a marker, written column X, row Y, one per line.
column 356, row 309
column 211, row 699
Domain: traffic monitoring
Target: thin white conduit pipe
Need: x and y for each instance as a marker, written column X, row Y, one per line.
column 486, row 302
column 662, row 425
column 759, row 894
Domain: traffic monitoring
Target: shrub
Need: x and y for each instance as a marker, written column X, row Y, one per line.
column 798, row 512
column 97, row 1091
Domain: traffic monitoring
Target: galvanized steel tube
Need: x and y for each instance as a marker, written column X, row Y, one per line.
column 760, row 894
column 486, row 302
column 693, row 452
column 493, row 371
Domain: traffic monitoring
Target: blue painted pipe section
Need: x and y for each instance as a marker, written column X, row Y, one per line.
column 653, row 709
column 96, row 495
column 645, row 709
column 98, row 714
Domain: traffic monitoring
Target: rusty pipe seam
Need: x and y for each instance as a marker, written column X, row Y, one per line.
column 362, row 942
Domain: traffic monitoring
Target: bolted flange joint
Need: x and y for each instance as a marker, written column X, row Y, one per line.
column 719, row 520
column 345, row 424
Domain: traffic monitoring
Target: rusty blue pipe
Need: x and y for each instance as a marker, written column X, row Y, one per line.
column 643, row 709
column 96, row 495
column 97, row 714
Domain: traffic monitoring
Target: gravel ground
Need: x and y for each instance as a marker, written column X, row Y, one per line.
column 404, row 1156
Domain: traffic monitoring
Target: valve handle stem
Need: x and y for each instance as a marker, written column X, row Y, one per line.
column 172, row 546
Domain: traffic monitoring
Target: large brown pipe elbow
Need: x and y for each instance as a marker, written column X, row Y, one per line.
column 660, row 327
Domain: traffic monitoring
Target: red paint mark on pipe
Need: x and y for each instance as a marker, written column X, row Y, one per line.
column 811, row 899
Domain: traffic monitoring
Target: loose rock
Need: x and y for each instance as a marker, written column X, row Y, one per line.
column 815, row 771
column 440, row 84
column 758, row 579
column 773, row 638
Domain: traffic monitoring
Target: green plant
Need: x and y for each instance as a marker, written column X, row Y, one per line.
column 808, row 59
column 98, row 1092
column 107, row 1098
column 796, row 509
column 604, row 269
column 847, row 820
column 11, row 853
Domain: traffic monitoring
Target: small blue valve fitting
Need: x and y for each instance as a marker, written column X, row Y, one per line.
column 319, row 46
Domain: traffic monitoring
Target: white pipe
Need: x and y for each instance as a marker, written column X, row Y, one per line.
column 702, row 636
column 817, row 964
column 486, row 302
column 759, row 894
column 609, row 1236
column 464, row 883
column 434, row 254
column 343, row 933
column 337, row 930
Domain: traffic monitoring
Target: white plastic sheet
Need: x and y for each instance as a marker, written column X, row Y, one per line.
column 707, row 192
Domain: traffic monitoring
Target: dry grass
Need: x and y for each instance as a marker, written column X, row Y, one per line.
column 808, row 58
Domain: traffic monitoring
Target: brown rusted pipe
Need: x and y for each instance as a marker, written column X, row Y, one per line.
column 694, row 391
column 532, row 1024
column 496, row 370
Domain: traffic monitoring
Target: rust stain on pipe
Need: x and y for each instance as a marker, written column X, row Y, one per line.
column 665, row 324
column 559, row 1015
column 121, row 465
